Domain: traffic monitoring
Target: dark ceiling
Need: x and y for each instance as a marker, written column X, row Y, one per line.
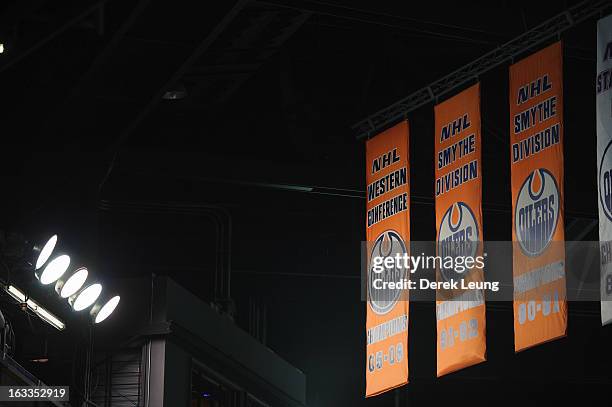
column 271, row 90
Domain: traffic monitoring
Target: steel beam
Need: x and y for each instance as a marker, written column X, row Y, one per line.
column 70, row 21
column 469, row 72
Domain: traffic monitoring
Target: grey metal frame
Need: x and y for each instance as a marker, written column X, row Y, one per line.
column 505, row 53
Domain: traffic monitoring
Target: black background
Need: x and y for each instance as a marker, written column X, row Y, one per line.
column 82, row 122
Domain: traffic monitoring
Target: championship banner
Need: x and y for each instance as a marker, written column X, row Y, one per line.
column 603, row 87
column 388, row 234
column 460, row 315
column 536, row 153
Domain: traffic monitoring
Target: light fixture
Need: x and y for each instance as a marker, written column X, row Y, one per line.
column 45, row 315
column 53, row 266
column 1, row 48
column 41, row 255
column 103, row 308
column 33, row 306
column 176, row 93
column 16, row 293
column 86, row 297
column 54, row 269
column 69, row 285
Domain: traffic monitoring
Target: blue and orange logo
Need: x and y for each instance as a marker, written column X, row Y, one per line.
column 388, row 244
column 458, row 234
column 537, row 212
column 605, row 182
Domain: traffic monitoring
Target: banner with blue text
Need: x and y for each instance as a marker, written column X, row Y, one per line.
column 603, row 88
column 388, row 235
column 536, row 154
column 460, row 313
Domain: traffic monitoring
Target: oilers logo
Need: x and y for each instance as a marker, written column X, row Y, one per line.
column 388, row 244
column 605, row 182
column 458, row 235
column 536, row 212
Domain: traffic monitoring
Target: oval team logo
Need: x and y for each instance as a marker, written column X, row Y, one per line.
column 458, row 234
column 388, row 244
column 605, row 181
column 537, row 212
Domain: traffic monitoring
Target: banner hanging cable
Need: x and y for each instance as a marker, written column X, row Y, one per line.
column 505, row 53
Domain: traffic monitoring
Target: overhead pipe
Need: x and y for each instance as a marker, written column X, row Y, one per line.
column 222, row 220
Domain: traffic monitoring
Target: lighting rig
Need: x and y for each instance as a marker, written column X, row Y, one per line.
column 53, row 268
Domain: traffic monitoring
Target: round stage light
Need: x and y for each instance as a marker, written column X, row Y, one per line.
column 42, row 255
column 102, row 310
column 66, row 287
column 54, row 270
column 86, row 297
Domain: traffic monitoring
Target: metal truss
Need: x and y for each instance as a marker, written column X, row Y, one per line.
column 500, row 55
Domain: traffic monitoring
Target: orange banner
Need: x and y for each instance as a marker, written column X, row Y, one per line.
column 460, row 314
column 536, row 153
column 388, row 234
